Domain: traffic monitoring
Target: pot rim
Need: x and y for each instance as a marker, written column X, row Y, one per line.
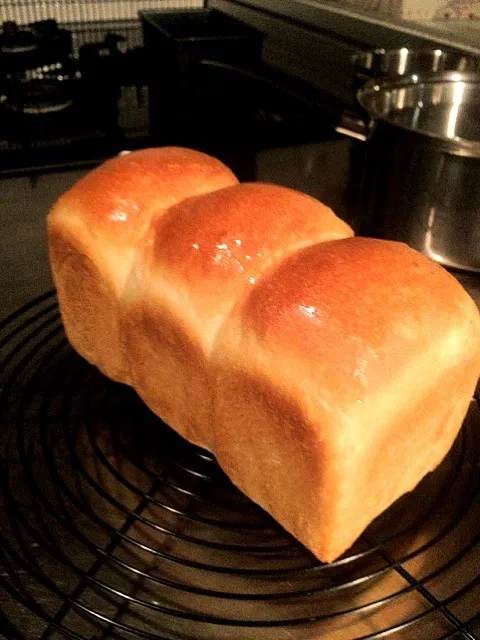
column 437, row 52
column 456, row 144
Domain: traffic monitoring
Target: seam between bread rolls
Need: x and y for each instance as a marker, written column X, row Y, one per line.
column 183, row 273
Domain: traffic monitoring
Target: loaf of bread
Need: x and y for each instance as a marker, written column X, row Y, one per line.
column 328, row 374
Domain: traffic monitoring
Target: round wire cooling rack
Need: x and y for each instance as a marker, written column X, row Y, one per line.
column 112, row 526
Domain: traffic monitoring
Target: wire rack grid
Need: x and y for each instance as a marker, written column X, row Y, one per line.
column 113, row 527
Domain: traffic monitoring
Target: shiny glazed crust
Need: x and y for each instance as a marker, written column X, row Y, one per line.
column 194, row 264
column 94, row 229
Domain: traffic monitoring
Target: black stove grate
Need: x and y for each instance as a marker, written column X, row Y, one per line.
column 112, row 526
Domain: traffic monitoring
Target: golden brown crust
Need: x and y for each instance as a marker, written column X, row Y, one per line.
column 93, row 232
column 192, row 266
column 117, row 199
column 342, row 353
column 363, row 303
column 238, row 230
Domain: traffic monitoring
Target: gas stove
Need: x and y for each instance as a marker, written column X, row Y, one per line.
column 59, row 106
column 70, row 100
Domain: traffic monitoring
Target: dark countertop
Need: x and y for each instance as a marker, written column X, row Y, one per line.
column 322, row 170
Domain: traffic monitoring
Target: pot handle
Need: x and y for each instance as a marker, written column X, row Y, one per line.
column 350, row 123
column 352, row 126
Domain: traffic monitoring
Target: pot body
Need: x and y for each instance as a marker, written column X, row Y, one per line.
column 422, row 195
column 421, row 174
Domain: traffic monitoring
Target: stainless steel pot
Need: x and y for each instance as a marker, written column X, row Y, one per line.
column 421, row 181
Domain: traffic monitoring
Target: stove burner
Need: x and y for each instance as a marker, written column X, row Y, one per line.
column 38, row 96
column 36, row 67
column 35, row 109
